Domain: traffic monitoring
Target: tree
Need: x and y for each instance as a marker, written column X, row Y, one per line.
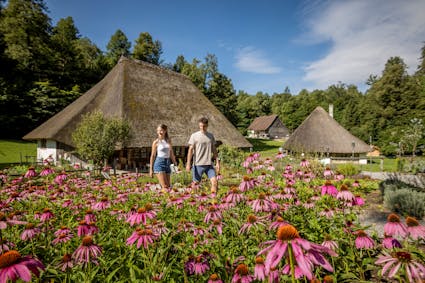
column 148, row 50
column 96, row 137
column 26, row 29
column 413, row 134
column 179, row 64
column 117, row 46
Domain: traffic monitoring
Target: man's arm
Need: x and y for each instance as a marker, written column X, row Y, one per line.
column 189, row 157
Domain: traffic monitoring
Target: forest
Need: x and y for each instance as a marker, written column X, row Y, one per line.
column 44, row 67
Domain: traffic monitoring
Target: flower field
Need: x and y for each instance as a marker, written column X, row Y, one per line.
column 271, row 221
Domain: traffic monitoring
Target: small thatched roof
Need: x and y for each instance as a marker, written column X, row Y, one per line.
column 319, row 132
column 262, row 123
column 146, row 95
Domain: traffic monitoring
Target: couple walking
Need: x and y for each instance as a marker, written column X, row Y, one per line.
column 202, row 149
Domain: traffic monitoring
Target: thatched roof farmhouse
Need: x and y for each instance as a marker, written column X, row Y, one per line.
column 320, row 133
column 146, row 95
column 268, row 127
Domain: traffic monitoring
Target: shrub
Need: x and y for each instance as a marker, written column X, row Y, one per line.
column 347, row 169
column 406, row 202
column 230, row 157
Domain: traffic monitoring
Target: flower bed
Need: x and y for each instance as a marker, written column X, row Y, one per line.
column 279, row 222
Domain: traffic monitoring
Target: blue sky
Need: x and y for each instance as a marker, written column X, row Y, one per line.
column 265, row 45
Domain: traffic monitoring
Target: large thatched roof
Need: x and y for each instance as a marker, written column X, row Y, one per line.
column 146, row 95
column 319, row 132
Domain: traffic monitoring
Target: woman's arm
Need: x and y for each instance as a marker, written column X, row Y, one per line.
column 152, row 159
column 172, row 156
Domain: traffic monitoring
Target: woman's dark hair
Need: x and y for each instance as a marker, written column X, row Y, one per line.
column 165, row 128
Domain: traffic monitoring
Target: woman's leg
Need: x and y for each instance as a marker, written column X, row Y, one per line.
column 162, row 180
column 168, row 180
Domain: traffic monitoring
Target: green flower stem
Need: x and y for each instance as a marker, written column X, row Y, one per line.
column 291, row 262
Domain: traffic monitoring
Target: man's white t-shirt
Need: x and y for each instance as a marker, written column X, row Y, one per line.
column 203, row 147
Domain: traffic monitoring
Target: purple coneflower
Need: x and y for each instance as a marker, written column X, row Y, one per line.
column 259, row 269
column 415, row 230
column 329, row 189
column 142, row 215
column 401, row 260
column 330, row 244
column 364, row 241
column 46, row 171
column 339, row 176
column 389, row 242
column 262, row 204
column 13, row 266
column 246, row 184
column 104, row 203
column 30, row 173
column 214, row 279
column 87, row 252
column 217, row 224
column 30, row 232
column 356, row 184
column 328, row 173
column 201, row 264
column 213, row 213
column 143, row 237
column 59, row 179
column 5, row 245
column 345, row 195
column 66, row 263
column 328, row 213
column 290, row 244
column 5, row 221
column 276, row 224
column 234, row 196
column 304, row 163
column 62, row 238
column 242, row 274
column 394, row 227
column 253, row 221
column 46, row 215
column 358, row 200
column 89, row 216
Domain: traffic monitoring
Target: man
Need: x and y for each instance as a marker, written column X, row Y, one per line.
column 203, row 149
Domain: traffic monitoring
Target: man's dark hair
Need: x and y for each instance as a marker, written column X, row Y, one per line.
column 203, row 120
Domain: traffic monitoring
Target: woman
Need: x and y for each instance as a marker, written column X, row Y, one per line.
column 161, row 157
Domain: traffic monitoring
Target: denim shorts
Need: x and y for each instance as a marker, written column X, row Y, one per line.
column 198, row 170
column 162, row 165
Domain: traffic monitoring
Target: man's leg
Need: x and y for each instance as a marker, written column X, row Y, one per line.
column 213, row 178
column 196, row 177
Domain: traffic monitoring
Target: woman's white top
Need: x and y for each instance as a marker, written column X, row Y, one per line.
column 163, row 149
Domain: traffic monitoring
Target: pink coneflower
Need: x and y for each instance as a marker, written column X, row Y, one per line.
column 46, row 215
column 246, row 184
column 297, row 272
column 259, row 269
column 214, row 279
column 213, row 213
column 30, row 232
column 329, row 189
column 276, row 224
column 415, row 230
column 5, row 221
column 218, row 225
column 62, row 238
column 59, row 179
column 328, row 173
column 66, row 263
column 142, row 215
column 30, row 173
column 389, row 242
column 363, row 241
column 345, row 195
column 83, row 229
column 271, row 168
column 87, row 252
column 234, row 196
column 279, row 155
column 358, row 200
column 262, row 204
column 328, row 213
column 330, row 244
column 89, row 216
column 242, row 274
column 339, row 176
column 104, row 203
column 252, row 221
column 290, row 244
column 5, row 245
column 356, row 184
column 309, row 204
column 304, row 163
column 201, row 265
column 394, row 227
column 143, row 237
column 13, row 267
column 413, row 269
column 46, row 171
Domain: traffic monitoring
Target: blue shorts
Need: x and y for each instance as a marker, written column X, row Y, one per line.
column 198, row 170
column 162, row 165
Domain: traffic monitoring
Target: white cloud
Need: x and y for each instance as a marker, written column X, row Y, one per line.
column 364, row 35
column 249, row 59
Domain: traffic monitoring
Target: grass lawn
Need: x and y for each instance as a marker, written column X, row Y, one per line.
column 12, row 150
column 267, row 148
